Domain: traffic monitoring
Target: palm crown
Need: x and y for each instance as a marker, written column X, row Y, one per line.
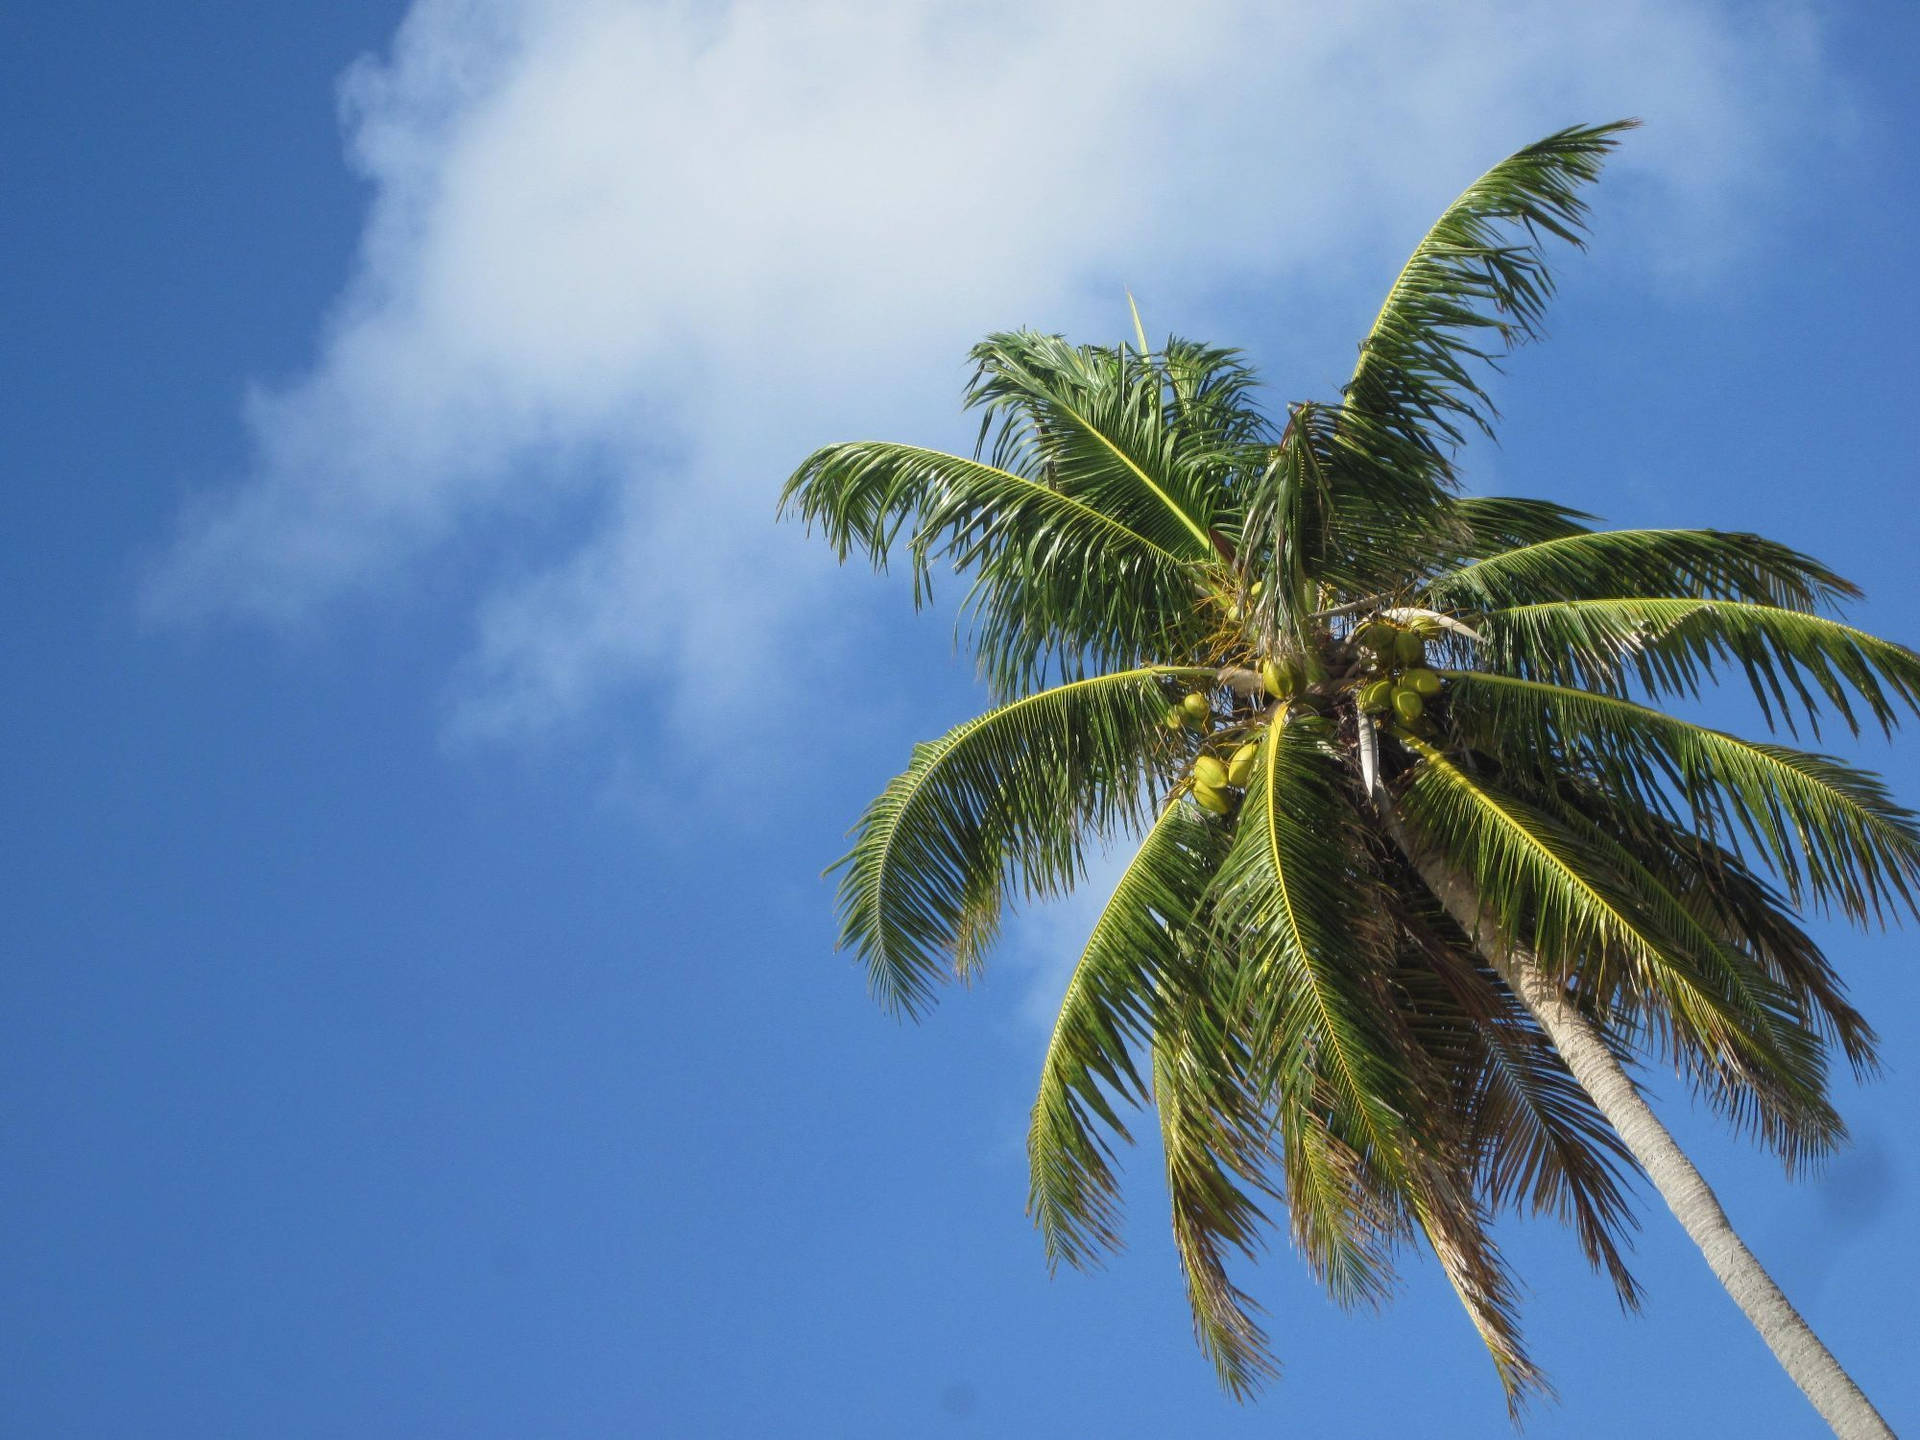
column 1383, row 743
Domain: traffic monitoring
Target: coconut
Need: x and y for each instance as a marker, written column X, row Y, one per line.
column 1212, row 799
column 1408, row 705
column 1376, row 697
column 1208, row 771
column 1278, row 677
column 1175, row 718
column 1424, row 681
column 1410, row 648
column 1197, row 706
column 1374, row 635
column 1240, row 768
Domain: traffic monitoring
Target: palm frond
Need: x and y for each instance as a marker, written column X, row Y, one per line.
column 1217, row 1151
column 1474, row 287
column 1592, row 565
column 1740, row 908
column 1793, row 661
column 1054, row 578
column 1742, row 1038
column 1539, row 1139
column 1592, row 913
column 1093, row 423
column 1131, row 961
column 1455, row 1223
column 1344, row 1223
column 1285, row 530
column 1496, row 523
column 1294, row 901
column 1832, row 833
column 1009, row 796
column 1209, row 396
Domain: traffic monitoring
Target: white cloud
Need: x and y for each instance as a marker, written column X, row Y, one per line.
column 640, row 257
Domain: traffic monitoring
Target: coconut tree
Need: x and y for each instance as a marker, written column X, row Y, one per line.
column 1423, row 872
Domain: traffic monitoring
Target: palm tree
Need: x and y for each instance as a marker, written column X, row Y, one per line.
column 1421, row 870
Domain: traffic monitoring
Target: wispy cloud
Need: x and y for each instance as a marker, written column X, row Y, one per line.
column 632, row 260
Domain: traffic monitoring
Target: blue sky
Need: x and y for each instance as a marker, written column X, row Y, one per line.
column 420, row 1012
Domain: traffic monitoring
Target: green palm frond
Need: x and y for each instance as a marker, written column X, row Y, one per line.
column 1832, row 833
column 1792, row 660
column 1584, row 904
column 1210, row 395
column 1011, row 795
column 1093, row 423
column 1130, row 964
column 1526, row 870
column 1293, row 901
column 1741, row 1037
column 1054, row 578
column 1497, row 523
column 1311, row 966
column 1596, row 565
column 1218, row 1155
column 1285, row 533
column 1474, row 287
column 1741, row 909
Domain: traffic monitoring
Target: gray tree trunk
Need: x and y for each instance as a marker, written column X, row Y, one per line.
column 1799, row 1351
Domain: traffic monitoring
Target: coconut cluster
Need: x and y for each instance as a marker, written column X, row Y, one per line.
column 1214, row 777
column 1402, row 685
column 1224, row 768
column 1215, row 772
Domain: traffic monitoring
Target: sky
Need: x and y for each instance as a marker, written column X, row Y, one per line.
column 421, row 744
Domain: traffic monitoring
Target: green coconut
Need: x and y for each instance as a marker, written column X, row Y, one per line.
column 1424, row 681
column 1408, row 705
column 1279, row 678
column 1376, row 697
column 1208, row 771
column 1212, row 799
column 1375, row 635
column 1240, row 767
column 1410, row 648
column 1197, row 706
column 1175, row 718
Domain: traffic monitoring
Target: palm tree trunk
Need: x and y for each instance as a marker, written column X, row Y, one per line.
column 1800, row 1352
